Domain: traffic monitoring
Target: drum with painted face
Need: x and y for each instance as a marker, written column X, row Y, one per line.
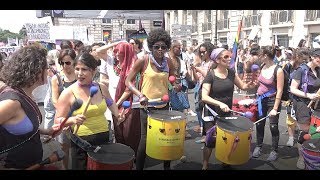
column 113, row 156
column 311, row 154
column 314, row 123
column 166, row 134
column 233, row 139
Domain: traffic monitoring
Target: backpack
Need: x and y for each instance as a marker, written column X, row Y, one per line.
column 286, row 85
column 305, row 78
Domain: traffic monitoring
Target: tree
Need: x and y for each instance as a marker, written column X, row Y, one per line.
column 5, row 34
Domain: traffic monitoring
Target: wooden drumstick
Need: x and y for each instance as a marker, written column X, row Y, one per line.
column 93, row 91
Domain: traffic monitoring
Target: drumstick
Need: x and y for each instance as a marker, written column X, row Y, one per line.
column 264, row 118
column 93, row 91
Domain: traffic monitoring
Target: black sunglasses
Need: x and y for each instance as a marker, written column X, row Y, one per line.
column 202, row 52
column 52, row 64
column 156, row 47
column 66, row 63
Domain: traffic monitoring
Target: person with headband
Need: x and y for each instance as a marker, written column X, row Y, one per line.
column 217, row 93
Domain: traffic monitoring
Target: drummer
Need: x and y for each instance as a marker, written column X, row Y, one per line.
column 155, row 69
column 301, row 99
column 217, row 91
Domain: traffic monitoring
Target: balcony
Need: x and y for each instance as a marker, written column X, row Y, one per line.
column 206, row 26
column 223, row 24
column 312, row 15
column 282, row 16
column 252, row 20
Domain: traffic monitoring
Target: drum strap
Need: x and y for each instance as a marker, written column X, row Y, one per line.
column 261, row 97
column 83, row 144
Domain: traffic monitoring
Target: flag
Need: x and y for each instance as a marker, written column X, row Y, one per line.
column 235, row 45
column 140, row 24
column 163, row 21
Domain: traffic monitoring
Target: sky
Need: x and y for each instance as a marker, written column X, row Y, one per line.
column 13, row 20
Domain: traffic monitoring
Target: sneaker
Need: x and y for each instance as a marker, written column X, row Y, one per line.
column 273, row 156
column 257, row 152
column 191, row 113
column 188, row 135
column 300, row 163
column 199, row 141
column 290, row 142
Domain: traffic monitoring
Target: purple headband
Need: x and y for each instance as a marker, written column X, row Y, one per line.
column 215, row 53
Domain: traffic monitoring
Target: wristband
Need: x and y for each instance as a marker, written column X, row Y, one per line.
column 109, row 102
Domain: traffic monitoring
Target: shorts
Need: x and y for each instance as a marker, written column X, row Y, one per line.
column 290, row 121
column 303, row 113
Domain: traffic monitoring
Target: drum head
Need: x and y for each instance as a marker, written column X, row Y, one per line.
column 246, row 102
column 113, row 153
column 312, row 145
column 166, row 115
column 235, row 123
column 316, row 113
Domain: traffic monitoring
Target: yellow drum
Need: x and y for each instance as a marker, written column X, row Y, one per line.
column 166, row 134
column 233, row 139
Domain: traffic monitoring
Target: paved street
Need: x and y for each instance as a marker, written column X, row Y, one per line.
column 286, row 161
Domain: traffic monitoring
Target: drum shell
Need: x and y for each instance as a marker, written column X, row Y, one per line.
column 311, row 155
column 113, row 156
column 226, row 140
column 167, row 144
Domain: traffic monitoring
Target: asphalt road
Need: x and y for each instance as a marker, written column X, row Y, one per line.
column 287, row 155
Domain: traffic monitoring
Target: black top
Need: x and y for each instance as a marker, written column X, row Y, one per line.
column 30, row 152
column 313, row 85
column 221, row 90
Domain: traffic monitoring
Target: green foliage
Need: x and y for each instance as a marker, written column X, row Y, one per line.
column 5, row 34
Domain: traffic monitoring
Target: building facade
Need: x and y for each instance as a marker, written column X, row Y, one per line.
column 288, row 27
column 112, row 25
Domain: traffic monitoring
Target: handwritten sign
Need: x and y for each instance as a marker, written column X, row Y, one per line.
column 38, row 31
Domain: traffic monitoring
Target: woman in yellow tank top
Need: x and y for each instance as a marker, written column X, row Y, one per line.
column 155, row 69
column 94, row 126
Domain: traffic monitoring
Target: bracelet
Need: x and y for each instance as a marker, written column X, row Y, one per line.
column 109, row 102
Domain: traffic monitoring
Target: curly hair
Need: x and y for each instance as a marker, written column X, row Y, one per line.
column 158, row 35
column 24, row 67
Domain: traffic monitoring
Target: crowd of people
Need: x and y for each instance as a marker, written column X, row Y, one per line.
column 138, row 72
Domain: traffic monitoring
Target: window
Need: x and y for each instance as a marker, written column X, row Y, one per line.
column 223, row 40
column 312, row 36
column 184, row 17
column 131, row 21
column 312, row 15
column 175, row 16
column 106, row 20
column 283, row 40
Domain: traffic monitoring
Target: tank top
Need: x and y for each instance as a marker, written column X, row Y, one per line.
column 96, row 121
column 155, row 84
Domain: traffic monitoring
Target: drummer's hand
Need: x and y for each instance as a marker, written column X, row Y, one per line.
column 273, row 112
column 78, row 119
column 313, row 96
column 318, row 129
column 120, row 118
column 224, row 107
column 143, row 100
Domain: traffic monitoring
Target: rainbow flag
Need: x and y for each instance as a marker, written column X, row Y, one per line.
column 235, row 45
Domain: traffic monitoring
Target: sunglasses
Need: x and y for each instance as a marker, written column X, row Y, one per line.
column 52, row 64
column 66, row 63
column 156, row 47
column 202, row 52
column 133, row 43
